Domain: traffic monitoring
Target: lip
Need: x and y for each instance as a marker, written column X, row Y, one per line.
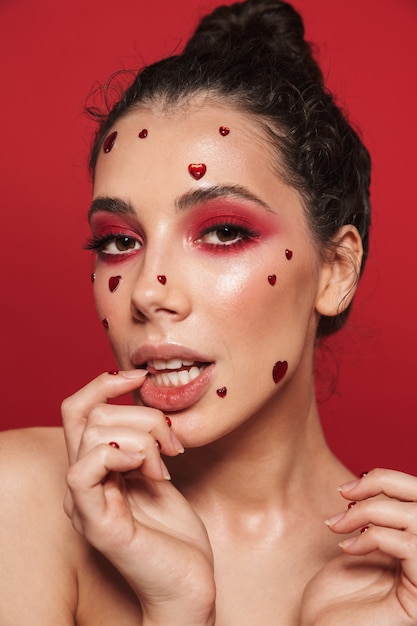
column 169, row 399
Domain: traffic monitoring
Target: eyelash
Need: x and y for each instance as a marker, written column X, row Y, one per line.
column 244, row 233
column 97, row 244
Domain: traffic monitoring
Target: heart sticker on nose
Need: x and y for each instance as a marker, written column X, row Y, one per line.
column 197, row 170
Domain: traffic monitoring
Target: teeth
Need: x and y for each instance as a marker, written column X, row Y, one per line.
column 176, row 379
column 171, row 364
column 184, row 377
column 165, row 379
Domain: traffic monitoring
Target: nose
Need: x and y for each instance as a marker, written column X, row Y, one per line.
column 160, row 291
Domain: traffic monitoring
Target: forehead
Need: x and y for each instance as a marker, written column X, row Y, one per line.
column 153, row 141
column 157, row 151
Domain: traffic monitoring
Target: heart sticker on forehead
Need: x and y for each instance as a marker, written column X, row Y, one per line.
column 197, row 170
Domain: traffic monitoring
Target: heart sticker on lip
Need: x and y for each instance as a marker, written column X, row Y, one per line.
column 197, row 170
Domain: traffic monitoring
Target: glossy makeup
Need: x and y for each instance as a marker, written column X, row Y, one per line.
column 216, row 324
column 113, row 238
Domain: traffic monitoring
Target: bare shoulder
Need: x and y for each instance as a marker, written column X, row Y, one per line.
column 49, row 574
column 33, row 465
column 41, row 446
column 37, row 539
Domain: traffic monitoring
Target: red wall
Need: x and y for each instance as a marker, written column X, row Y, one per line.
column 51, row 55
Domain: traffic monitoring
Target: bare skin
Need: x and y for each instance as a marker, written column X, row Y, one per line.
column 237, row 536
column 66, row 581
column 83, row 588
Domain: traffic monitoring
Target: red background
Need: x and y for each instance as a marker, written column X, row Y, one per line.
column 51, row 55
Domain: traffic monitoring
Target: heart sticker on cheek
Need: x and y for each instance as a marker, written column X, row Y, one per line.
column 272, row 279
column 197, row 170
column 279, row 370
column 114, row 282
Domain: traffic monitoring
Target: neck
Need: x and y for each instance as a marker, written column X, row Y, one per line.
column 266, row 462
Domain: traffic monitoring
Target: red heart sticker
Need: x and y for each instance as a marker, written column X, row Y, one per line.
column 197, row 170
column 279, row 370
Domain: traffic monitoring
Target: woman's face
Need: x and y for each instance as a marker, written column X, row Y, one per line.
column 208, row 280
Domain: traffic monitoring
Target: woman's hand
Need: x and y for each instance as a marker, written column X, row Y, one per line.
column 120, row 499
column 374, row 581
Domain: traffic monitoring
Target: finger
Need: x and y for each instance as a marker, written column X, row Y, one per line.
column 86, row 479
column 391, row 483
column 106, row 422
column 396, row 543
column 68, row 503
column 76, row 408
column 388, row 513
column 132, row 441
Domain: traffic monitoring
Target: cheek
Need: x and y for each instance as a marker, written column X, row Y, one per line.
column 245, row 291
column 110, row 288
column 260, row 296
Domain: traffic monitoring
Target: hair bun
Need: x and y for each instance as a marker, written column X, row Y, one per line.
column 253, row 26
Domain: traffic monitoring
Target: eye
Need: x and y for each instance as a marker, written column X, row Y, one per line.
column 120, row 244
column 114, row 245
column 224, row 234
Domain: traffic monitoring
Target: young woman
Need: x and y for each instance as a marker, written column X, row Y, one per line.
column 230, row 221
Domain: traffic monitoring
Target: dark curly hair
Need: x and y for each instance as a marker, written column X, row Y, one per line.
column 253, row 55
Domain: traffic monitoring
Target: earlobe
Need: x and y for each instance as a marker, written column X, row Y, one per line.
column 339, row 274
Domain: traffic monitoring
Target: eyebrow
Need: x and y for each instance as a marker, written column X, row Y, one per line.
column 111, row 205
column 182, row 203
column 198, row 196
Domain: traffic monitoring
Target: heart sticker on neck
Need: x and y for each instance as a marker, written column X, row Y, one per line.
column 197, row 170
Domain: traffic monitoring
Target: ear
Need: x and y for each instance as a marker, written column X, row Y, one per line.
column 339, row 273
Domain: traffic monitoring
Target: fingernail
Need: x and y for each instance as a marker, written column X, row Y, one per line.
column 334, row 519
column 136, row 455
column 347, row 542
column 133, row 374
column 176, row 442
column 165, row 472
column 348, row 486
